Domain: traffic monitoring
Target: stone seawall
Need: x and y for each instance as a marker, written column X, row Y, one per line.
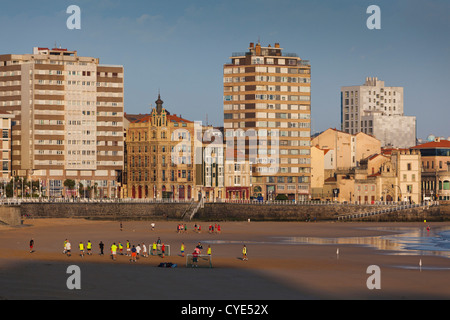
column 105, row 210
column 330, row 212
column 225, row 212
column 10, row 215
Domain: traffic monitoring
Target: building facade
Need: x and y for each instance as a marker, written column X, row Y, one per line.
column 238, row 177
column 161, row 151
column 435, row 169
column 267, row 104
column 377, row 110
column 68, row 120
column 210, row 171
column 348, row 148
column 5, row 150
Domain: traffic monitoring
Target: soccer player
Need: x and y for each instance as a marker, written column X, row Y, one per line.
column 113, row 251
column 133, row 254
column 195, row 257
column 89, row 247
column 208, row 251
column 144, row 250
column 128, row 248
column 182, row 249
column 244, row 253
column 81, row 246
column 31, row 245
column 68, row 248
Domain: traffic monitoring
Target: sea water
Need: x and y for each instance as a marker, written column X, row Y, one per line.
column 407, row 241
column 400, row 241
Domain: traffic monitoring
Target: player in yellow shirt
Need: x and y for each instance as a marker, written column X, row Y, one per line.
column 154, row 249
column 182, row 249
column 113, row 251
column 89, row 247
column 81, row 245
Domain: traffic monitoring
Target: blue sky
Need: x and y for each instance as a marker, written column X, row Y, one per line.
column 179, row 48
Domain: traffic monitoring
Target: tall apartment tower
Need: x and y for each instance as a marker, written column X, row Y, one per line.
column 68, row 120
column 377, row 110
column 267, row 99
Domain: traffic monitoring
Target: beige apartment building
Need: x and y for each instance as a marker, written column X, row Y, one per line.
column 347, row 149
column 378, row 177
column 68, row 120
column 267, row 103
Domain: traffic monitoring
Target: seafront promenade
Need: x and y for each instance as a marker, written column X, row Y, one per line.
column 146, row 209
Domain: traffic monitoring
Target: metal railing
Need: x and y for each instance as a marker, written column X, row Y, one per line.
column 18, row 201
column 388, row 210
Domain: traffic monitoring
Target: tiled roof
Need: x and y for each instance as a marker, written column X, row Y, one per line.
column 434, row 145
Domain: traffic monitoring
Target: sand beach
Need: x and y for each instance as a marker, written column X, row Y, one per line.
column 280, row 266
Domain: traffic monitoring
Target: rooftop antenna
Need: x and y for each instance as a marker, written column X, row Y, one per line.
column 206, row 119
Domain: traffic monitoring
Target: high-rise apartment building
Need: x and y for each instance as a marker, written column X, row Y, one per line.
column 267, row 101
column 68, row 119
column 377, row 110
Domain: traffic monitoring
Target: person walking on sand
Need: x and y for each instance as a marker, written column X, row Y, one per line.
column 244, row 253
column 31, row 245
column 101, row 246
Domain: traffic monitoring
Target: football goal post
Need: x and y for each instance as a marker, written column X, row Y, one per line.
column 158, row 251
column 200, row 261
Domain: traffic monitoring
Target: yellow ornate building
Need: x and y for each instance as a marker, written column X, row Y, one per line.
column 161, row 157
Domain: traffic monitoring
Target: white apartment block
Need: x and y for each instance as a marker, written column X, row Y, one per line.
column 377, row 110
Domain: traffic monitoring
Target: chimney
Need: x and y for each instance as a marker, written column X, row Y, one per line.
column 277, row 45
column 258, row 49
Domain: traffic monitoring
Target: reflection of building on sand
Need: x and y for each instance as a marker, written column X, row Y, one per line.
column 377, row 242
column 411, row 241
